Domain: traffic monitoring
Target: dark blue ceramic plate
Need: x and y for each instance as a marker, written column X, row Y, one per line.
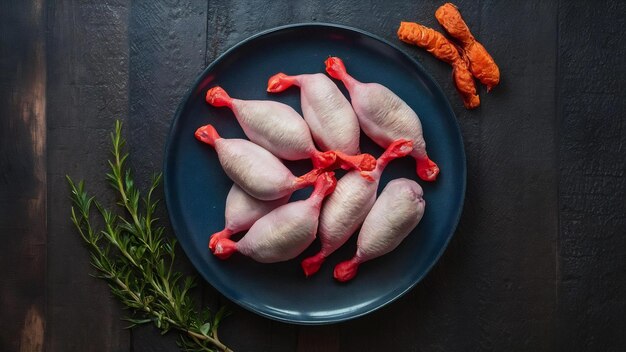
column 196, row 187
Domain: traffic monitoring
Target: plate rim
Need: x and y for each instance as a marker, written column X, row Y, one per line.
column 198, row 80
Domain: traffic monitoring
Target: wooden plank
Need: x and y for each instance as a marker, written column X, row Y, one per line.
column 87, row 91
column 592, row 184
column 245, row 331
column 512, row 299
column 319, row 339
column 22, row 175
column 167, row 49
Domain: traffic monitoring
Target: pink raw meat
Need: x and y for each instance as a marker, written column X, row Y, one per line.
column 281, row 130
column 333, row 123
column 283, row 233
column 346, row 208
column 384, row 117
column 254, row 169
column 397, row 211
column 243, row 210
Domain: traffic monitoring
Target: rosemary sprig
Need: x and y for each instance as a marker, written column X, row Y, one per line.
column 132, row 254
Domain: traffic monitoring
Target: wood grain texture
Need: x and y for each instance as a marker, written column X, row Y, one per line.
column 87, row 91
column 592, row 162
column 538, row 259
column 166, row 42
column 22, row 175
column 518, row 182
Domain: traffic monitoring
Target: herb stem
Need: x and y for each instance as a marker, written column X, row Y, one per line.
column 177, row 324
column 213, row 340
column 137, row 260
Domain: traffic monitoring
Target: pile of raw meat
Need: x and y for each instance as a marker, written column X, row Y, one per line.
column 328, row 135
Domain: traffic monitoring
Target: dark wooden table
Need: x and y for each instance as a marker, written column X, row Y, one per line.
column 539, row 258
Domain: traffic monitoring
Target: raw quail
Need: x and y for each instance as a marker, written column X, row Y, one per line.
column 397, row 211
column 346, row 208
column 254, row 169
column 280, row 129
column 325, row 109
column 283, row 233
column 384, row 117
column 242, row 210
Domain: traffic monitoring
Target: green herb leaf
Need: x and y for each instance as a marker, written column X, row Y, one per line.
column 204, row 329
column 136, row 259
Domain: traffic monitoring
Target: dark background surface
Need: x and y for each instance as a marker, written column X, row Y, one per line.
column 539, row 258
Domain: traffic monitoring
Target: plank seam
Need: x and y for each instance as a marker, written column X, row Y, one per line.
column 206, row 34
column 557, row 151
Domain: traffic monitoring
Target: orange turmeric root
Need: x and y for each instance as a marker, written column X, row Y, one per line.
column 465, row 85
column 481, row 64
column 440, row 47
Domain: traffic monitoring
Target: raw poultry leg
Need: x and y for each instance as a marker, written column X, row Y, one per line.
column 397, row 211
column 281, row 130
column 333, row 123
column 384, row 117
column 254, row 169
column 283, row 233
column 346, row 208
column 243, row 210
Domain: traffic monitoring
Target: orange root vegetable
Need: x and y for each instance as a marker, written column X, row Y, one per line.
column 440, row 47
column 481, row 64
column 465, row 84
column 429, row 39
